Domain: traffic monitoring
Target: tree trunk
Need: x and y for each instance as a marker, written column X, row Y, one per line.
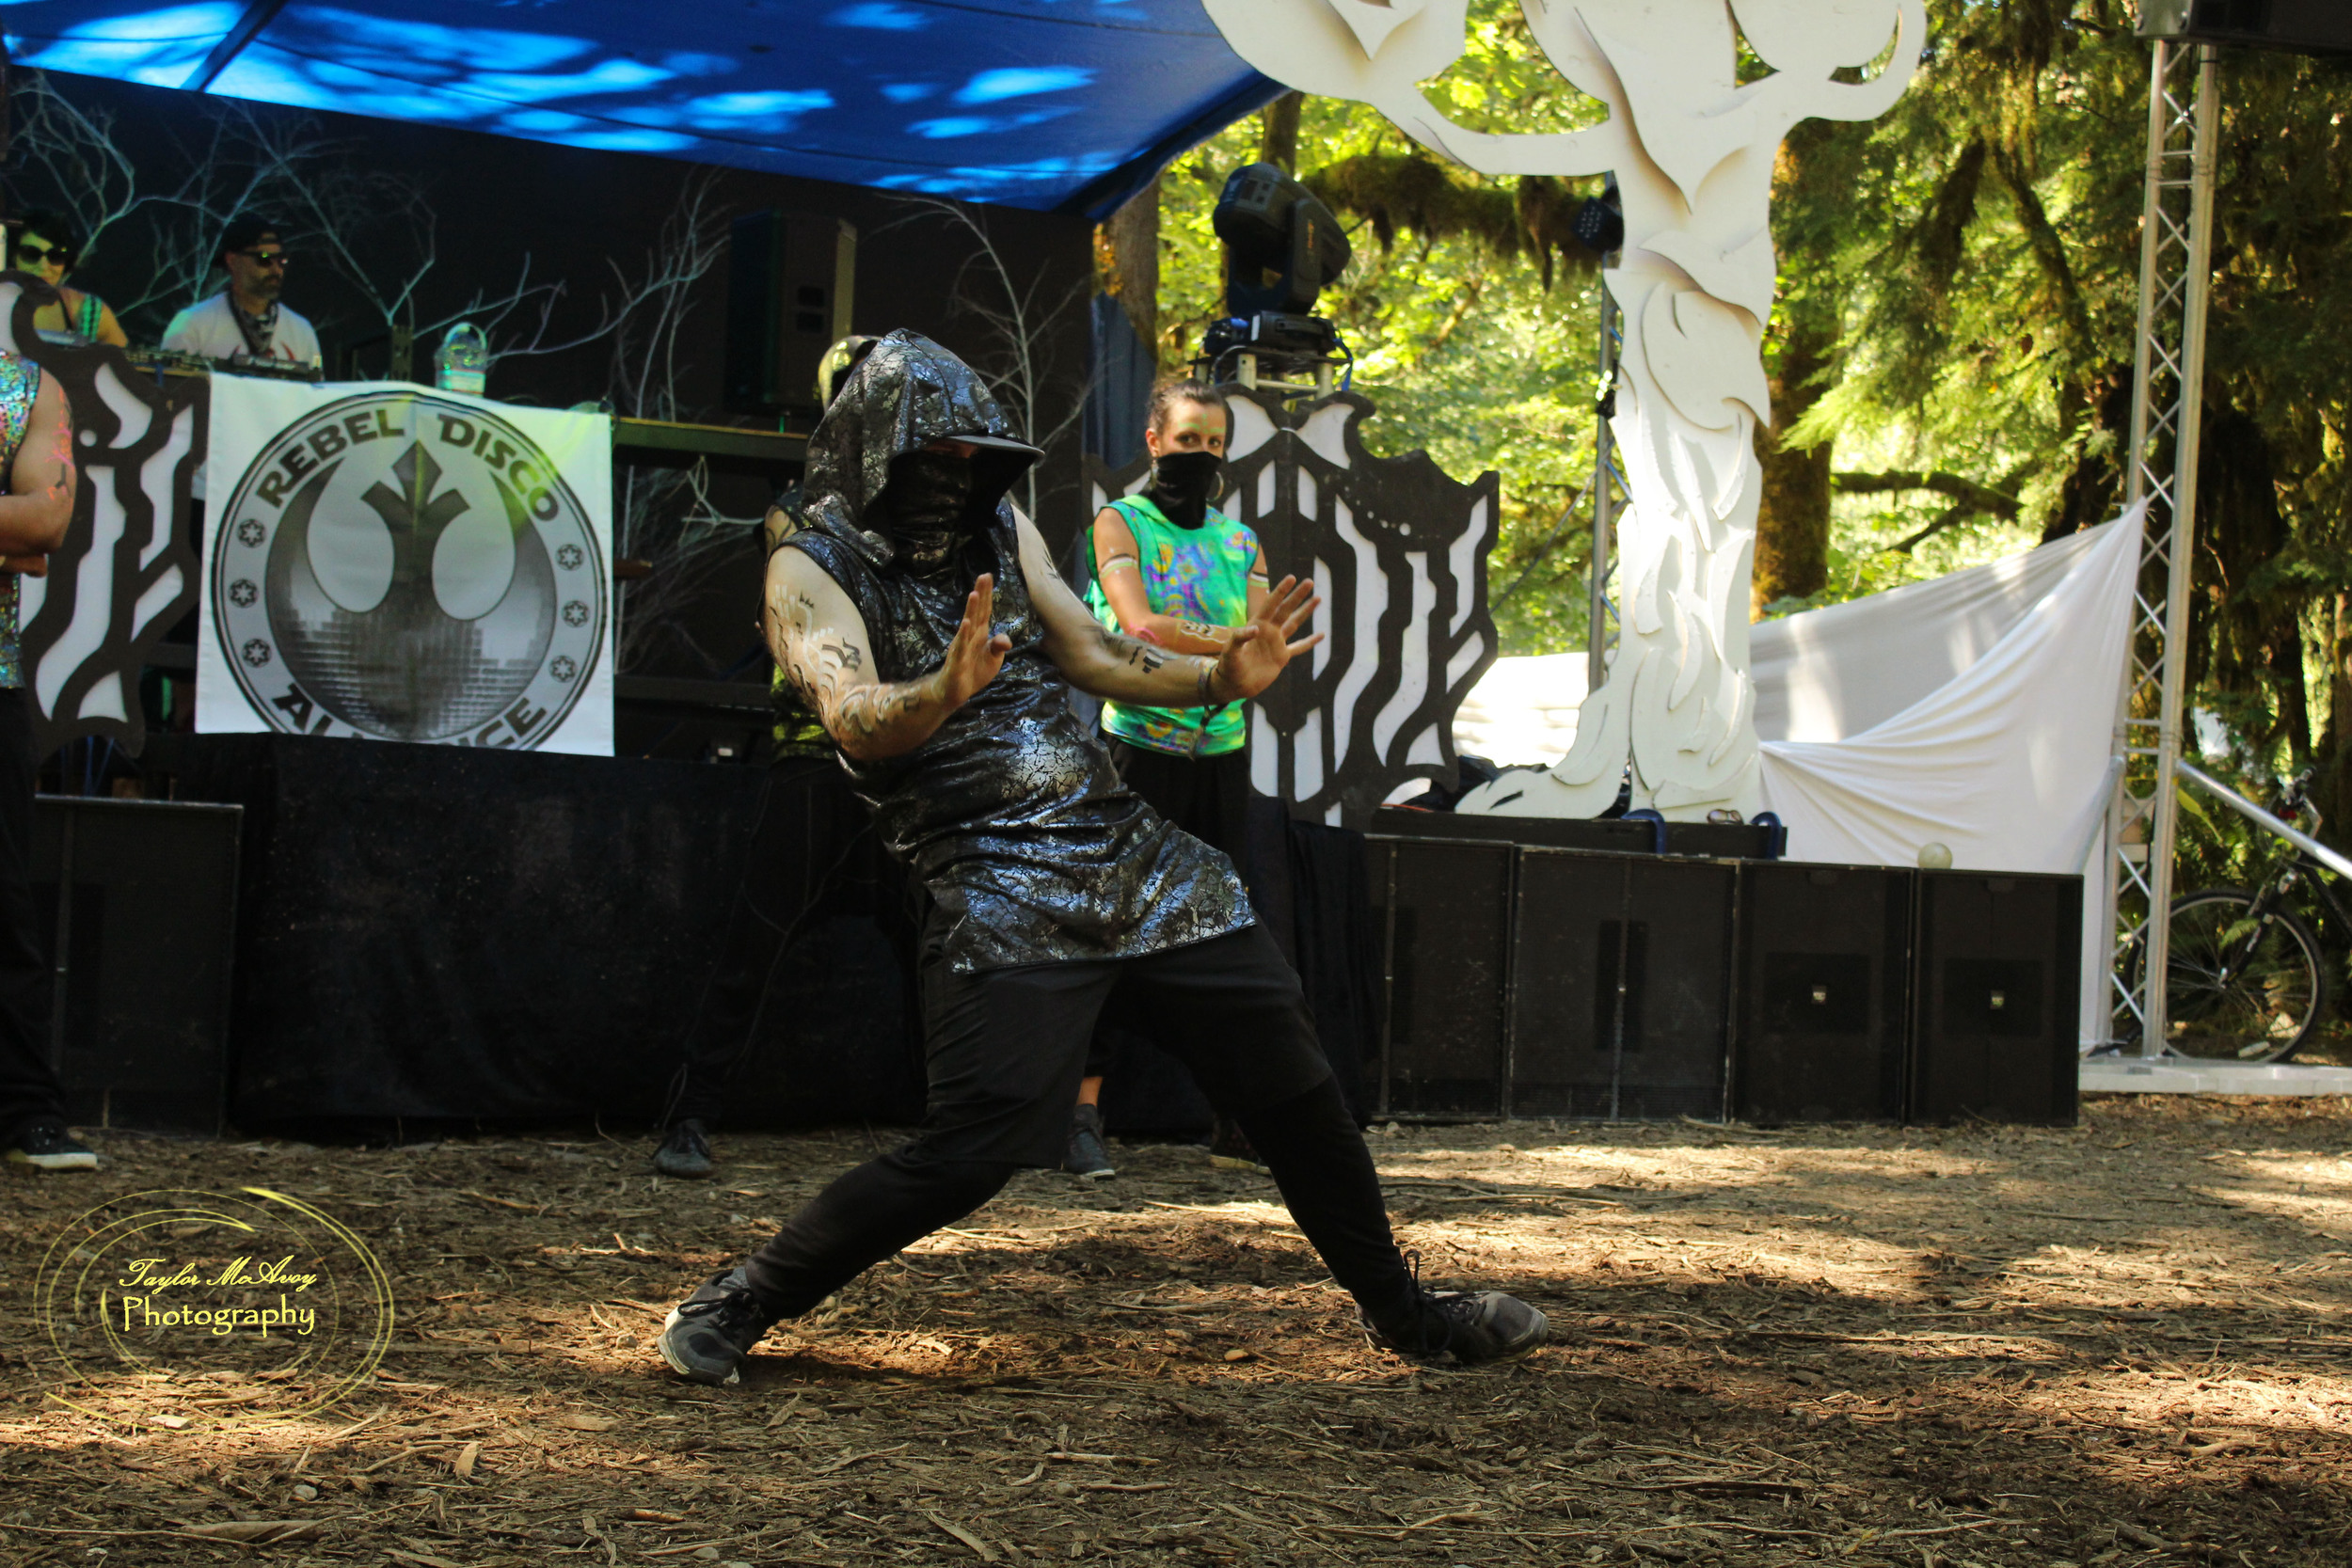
column 1278, row 143
column 2250, row 629
column 1127, row 263
column 1792, row 521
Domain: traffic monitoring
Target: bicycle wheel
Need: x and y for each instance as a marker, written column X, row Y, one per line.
column 2235, row 990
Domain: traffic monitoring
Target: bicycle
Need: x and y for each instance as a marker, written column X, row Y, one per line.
column 2247, row 979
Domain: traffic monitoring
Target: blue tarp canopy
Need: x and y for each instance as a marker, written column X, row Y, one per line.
column 1065, row 104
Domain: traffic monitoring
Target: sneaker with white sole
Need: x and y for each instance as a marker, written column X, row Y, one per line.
column 709, row 1336
column 44, row 1144
column 1457, row 1328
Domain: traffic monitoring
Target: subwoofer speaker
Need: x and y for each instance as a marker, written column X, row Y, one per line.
column 1444, row 914
column 1619, row 997
column 1995, row 990
column 1825, row 983
column 790, row 278
column 137, row 901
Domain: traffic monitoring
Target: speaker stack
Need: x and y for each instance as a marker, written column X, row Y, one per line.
column 1537, row 980
column 791, row 281
column 137, row 904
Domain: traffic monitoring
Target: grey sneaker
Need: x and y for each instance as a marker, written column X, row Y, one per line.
column 1455, row 1328
column 1087, row 1156
column 709, row 1336
column 45, row 1145
column 686, row 1152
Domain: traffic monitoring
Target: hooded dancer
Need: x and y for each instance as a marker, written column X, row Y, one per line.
column 921, row 619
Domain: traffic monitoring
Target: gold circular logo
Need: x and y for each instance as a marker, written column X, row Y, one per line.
column 171, row 1307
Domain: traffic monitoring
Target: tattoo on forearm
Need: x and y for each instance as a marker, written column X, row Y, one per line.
column 1131, row 651
column 1203, row 630
column 64, row 452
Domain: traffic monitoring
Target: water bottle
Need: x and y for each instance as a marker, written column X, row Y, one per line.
column 462, row 364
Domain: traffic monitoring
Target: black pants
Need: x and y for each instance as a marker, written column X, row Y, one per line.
column 28, row 1081
column 1006, row 1051
column 1209, row 798
column 812, row 852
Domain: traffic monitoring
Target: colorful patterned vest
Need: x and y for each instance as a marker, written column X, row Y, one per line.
column 19, row 385
column 1199, row 573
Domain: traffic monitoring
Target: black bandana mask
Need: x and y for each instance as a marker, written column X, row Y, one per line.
column 1184, row 482
column 928, row 510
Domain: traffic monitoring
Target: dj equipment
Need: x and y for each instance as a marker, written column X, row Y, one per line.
column 791, row 281
column 1824, row 990
column 1996, row 976
column 136, row 906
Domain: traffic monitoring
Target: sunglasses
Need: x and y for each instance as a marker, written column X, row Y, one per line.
column 40, row 255
column 262, row 259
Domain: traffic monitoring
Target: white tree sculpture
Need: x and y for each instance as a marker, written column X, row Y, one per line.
column 1693, row 149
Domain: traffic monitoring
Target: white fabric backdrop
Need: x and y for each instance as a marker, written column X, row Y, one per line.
column 1977, row 711
column 504, row 512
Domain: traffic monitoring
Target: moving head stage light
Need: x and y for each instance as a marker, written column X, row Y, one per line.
column 2304, row 26
column 1282, row 247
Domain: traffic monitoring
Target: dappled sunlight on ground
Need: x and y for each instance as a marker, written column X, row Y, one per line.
column 2117, row 1345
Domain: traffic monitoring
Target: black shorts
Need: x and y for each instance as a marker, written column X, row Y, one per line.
column 1006, row 1047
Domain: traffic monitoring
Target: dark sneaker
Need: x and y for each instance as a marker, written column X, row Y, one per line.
column 686, row 1152
column 1455, row 1328
column 1229, row 1148
column 709, row 1336
column 45, row 1145
column 1087, row 1157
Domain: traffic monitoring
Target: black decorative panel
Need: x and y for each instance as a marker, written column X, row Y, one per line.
column 1824, row 977
column 1996, row 978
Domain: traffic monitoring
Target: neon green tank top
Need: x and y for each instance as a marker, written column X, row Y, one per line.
column 1200, row 573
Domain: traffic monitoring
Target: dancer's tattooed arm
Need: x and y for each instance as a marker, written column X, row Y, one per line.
column 822, row 644
column 1130, row 669
column 39, row 505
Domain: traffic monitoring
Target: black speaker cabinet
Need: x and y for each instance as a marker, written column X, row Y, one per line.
column 1624, row 835
column 1997, row 991
column 136, row 906
column 1444, row 914
column 790, row 278
column 1620, row 982
column 1825, row 992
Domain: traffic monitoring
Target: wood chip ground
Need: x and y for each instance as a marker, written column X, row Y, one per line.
column 2124, row 1343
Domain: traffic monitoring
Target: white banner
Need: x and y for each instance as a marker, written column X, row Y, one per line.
column 388, row 561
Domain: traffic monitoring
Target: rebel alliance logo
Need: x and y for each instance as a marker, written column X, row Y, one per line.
column 407, row 568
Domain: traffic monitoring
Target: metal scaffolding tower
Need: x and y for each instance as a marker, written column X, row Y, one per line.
column 2175, row 271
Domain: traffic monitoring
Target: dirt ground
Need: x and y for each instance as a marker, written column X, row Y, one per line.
column 2124, row 1343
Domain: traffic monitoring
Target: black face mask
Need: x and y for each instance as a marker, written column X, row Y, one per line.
column 927, row 505
column 1184, row 482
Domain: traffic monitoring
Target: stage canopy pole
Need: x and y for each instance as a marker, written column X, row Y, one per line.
column 2168, row 373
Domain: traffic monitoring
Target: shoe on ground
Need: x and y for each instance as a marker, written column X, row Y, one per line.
column 1087, row 1155
column 1229, row 1148
column 1455, row 1328
column 709, row 1336
column 44, row 1144
column 685, row 1151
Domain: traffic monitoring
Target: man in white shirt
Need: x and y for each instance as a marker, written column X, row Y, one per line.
column 244, row 321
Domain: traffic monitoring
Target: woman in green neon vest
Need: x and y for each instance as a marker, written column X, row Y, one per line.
column 1167, row 567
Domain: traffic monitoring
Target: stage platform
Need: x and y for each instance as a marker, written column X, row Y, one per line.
column 2180, row 1075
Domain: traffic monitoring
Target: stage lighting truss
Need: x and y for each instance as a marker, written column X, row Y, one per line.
column 2175, row 270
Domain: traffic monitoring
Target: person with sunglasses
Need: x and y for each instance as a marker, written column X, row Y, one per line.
column 246, row 320
column 47, row 245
